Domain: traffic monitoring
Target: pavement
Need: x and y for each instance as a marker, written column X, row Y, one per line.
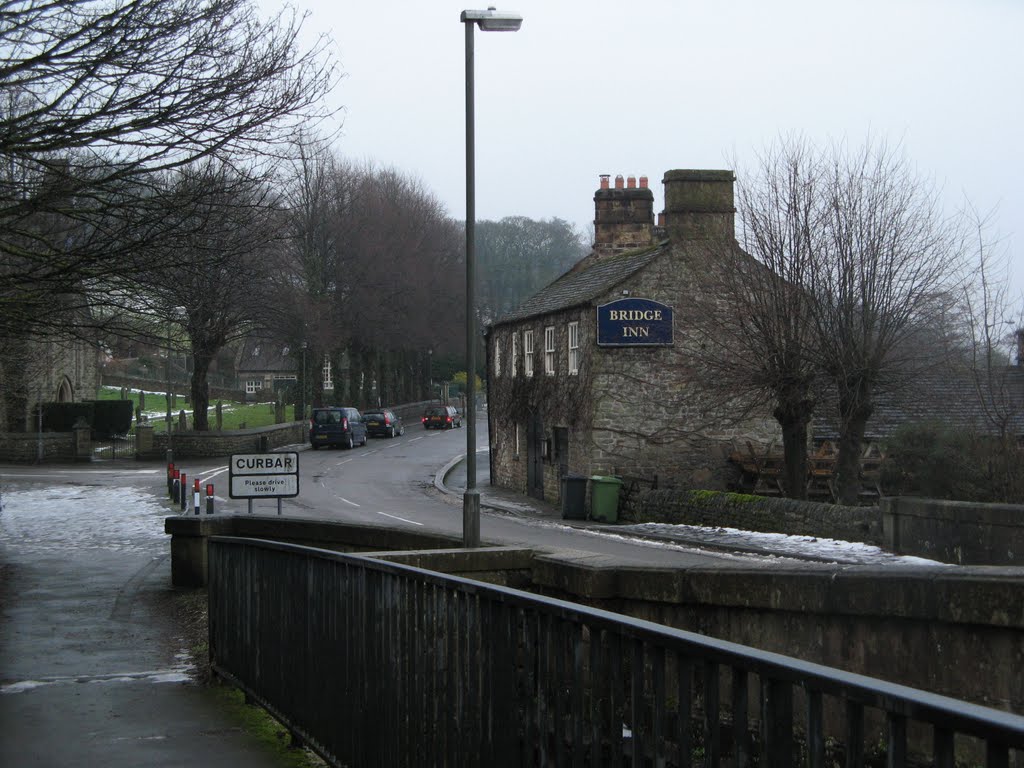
column 451, row 480
column 94, row 665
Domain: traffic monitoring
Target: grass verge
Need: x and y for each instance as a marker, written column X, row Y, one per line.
column 191, row 617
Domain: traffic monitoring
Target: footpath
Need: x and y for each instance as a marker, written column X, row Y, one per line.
column 93, row 666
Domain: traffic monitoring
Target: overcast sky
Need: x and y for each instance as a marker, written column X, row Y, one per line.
column 644, row 86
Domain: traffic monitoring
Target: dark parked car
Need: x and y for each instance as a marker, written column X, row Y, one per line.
column 336, row 426
column 383, row 423
column 442, row 417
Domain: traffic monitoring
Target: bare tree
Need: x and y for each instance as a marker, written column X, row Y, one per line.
column 993, row 334
column 757, row 325
column 888, row 262
column 213, row 279
column 96, row 97
column 369, row 268
column 846, row 262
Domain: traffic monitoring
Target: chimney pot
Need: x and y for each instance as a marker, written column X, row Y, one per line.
column 631, row 182
column 643, row 182
column 604, row 180
column 661, row 219
column 618, row 181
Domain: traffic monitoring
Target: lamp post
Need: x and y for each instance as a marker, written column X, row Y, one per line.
column 170, row 447
column 302, row 383
column 488, row 21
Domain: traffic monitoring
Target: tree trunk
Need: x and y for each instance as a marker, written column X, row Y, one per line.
column 794, row 417
column 854, row 412
column 200, row 390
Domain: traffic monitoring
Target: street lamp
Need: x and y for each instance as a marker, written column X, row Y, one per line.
column 488, row 21
column 302, row 383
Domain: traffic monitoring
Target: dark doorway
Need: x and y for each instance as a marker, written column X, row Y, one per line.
column 535, row 456
column 562, row 450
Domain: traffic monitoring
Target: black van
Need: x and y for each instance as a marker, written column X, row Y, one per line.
column 336, row 426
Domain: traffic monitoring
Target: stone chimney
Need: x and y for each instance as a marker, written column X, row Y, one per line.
column 623, row 215
column 699, row 205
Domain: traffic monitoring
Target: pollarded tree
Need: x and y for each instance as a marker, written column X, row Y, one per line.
column 757, row 324
column 888, row 263
column 97, row 98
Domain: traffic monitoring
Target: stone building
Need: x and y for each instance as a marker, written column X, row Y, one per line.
column 596, row 373
column 56, row 369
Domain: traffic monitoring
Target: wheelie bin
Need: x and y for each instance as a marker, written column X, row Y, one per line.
column 604, row 498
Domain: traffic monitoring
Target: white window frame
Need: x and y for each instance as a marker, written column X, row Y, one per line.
column 328, row 374
column 573, row 333
column 528, row 353
column 252, row 386
column 515, row 353
column 549, row 350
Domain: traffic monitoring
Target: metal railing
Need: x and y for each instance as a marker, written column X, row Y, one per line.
column 376, row 663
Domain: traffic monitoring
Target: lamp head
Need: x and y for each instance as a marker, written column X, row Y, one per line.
column 493, row 21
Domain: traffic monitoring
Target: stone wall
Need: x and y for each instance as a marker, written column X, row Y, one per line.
column 959, row 633
column 954, row 531
column 194, row 445
column 24, row 447
column 181, row 389
column 753, row 513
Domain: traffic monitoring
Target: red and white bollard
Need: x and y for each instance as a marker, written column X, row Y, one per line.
column 184, row 493
column 209, row 498
column 170, row 479
column 195, row 497
column 176, row 485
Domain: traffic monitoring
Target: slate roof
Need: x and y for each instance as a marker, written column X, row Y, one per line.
column 946, row 396
column 263, row 356
column 580, row 286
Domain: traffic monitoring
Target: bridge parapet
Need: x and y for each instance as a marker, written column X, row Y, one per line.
column 373, row 662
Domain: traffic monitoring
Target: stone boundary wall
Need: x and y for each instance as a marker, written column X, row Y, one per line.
column 194, row 445
column 964, row 533
column 24, row 446
column 753, row 513
column 958, row 632
column 182, row 389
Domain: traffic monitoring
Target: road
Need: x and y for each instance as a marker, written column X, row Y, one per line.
column 390, row 482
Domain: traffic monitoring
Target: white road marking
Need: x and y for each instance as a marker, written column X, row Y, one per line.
column 342, row 498
column 396, row 517
column 209, row 474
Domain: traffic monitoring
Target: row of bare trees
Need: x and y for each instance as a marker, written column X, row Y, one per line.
column 102, row 102
column 855, row 287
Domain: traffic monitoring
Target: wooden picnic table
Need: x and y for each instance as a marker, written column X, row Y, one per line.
column 762, row 471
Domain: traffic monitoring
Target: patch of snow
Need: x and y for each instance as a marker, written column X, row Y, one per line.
column 59, row 519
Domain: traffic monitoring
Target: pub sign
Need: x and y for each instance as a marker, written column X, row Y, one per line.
column 634, row 323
